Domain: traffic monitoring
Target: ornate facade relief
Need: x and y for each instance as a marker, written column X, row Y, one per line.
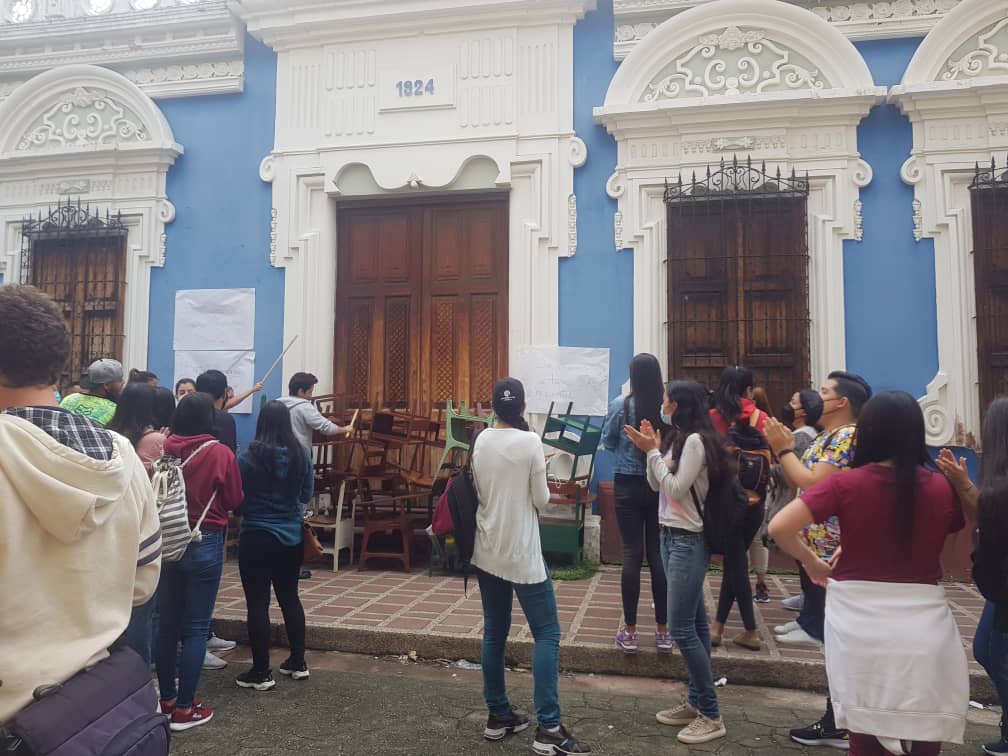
column 635, row 19
column 671, row 137
column 428, row 101
column 168, row 48
column 955, row 93
column 87, row 132
column 733, row 62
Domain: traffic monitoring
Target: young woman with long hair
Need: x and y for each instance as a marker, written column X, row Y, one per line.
column 509, row 473
column 694, row 461
column 896, row 513
column 988, row 505
column 636, row 503
column 136, row 419
column 188, row 588
column 278, row 481
column 734, row 406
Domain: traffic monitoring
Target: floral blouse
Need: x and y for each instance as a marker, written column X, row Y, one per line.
column 832, row 448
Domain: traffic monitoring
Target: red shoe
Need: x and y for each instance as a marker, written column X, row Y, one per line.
column 168, row 707
column 186, row 719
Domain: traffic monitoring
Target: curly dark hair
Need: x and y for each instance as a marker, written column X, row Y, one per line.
column 34, row 342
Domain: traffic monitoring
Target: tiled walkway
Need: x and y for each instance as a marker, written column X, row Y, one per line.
column 590, row 610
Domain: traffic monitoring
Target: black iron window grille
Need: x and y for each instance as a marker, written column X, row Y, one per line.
column 737, row 179
column 78, row 257
column 992, row 177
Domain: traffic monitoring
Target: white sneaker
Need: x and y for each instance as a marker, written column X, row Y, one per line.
column 219, row 644
column 213, row 662
column 786, row 628
column 797, row 636
column 702, row 730
column 794, row 603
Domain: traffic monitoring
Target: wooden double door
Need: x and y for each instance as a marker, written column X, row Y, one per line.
column 86, row 276
column 738, row 291
column 422, row 302
column 990, row 274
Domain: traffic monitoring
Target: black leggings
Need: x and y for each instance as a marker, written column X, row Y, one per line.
column 263, row 560
column 735, row 584
column 637, row 515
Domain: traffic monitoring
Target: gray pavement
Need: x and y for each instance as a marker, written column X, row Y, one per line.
column 363, row 705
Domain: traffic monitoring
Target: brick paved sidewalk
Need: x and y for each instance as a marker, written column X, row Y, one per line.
column 395, row 612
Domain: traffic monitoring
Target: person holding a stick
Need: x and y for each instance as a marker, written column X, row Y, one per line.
column 305, row 417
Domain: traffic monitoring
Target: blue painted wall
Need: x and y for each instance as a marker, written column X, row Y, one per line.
column 221, row 233
column 596, row 285
column 889, row 279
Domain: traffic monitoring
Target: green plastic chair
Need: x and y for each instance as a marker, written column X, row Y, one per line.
column 456, row 439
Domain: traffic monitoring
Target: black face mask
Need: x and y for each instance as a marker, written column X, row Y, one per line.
column 787, row 415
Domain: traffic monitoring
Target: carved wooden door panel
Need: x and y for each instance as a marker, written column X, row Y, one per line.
column 990, row 273
column 737, row 274
column 421, row 302
column 87, row 278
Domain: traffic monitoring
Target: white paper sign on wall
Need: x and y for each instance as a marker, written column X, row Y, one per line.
column 238, row 366
column 562, row 375
column 214, row 319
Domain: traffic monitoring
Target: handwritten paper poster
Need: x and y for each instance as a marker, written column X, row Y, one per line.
column 214, row 319
column 238, row 366
column 562, row 375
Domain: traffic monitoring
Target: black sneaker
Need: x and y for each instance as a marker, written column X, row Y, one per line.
column 819, row 734
column 255, row 680
column 557, row 743
column 997, row 748
column 295, row 671
column 498, row 728
column 304, row 575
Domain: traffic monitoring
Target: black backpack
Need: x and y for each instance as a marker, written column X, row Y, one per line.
column 723, row 514
column 463, row 502
column 755, row 460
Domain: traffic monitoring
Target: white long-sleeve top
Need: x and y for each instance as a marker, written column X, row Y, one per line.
column 509, row 470
column 676, row 508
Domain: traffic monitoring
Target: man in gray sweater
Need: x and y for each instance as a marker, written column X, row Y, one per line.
column 305, row 418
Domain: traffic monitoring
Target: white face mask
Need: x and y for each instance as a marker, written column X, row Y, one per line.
column 665, row 418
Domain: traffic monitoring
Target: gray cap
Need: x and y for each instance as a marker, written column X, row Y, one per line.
column 105, row 371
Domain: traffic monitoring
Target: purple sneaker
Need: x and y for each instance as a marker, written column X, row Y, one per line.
column 664, row 643
column 627, row 642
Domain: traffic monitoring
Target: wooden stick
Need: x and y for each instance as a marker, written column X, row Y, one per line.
column 277, row 361
column 353, row 420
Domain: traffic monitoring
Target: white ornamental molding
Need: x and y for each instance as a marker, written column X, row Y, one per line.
column 663, row 137
column 168, row 48
column 635, row 19
column 87, row 132
column 407, row 98
column 732, row 62
column 955, row 93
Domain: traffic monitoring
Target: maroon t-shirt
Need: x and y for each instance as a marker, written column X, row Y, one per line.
column 872, row 529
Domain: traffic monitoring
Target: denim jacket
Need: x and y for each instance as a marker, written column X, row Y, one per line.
column 275, row 494
column 629, row 460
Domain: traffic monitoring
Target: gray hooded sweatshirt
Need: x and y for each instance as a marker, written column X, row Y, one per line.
column 305, row 419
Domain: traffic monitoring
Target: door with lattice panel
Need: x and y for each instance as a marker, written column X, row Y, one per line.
column 79, row 260
column 421, row 301
column 737, row 273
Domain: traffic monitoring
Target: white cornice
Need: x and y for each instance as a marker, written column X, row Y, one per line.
column 287, row 24
column 874, row 19
column 174, row 51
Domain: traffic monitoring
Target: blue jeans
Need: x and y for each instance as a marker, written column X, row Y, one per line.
column 539, row 605
column 990, row 649
column 139, row 631
column 686, row 559
column 186, row 595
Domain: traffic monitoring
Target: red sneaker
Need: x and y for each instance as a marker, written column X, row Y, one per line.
column 186, row 719
column 168, row 707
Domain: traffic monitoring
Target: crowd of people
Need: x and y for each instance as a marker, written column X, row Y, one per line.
column 842, row 481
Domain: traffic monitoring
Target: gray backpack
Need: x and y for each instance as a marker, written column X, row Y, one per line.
column 173, row 509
